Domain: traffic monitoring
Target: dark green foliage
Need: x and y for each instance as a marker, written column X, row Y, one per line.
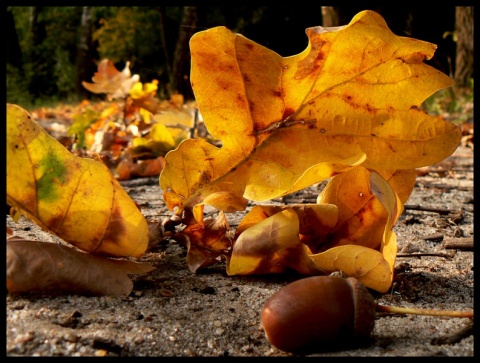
column 43, row 63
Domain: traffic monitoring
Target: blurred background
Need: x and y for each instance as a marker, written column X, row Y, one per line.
column 51, row 50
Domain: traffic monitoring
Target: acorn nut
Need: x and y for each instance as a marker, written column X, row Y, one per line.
column 319, row 313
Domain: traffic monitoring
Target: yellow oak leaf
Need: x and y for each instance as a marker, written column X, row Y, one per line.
column 271, row 246
column 178, row 122
column 350, row 98
column 372, row 267
column 273, row 239
column 361, row 215
column 365, row 264
column 315, row 220
column 77, row 199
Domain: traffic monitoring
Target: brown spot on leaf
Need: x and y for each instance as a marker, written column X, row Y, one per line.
column 241, row 101
column 249, row 46
column 115, row 227
column 277, row 93
column 287, row 113
column 390, row 146
column 55, row 223
column 314, row 61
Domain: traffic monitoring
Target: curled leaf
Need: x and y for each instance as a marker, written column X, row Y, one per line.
column 77, row 199
column 361, row 214
column 366, row 264
column 271, row 246
column 373, row 267
column 206, row 241
column 273, row 239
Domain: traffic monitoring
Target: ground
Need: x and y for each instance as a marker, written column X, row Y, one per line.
column 173, row 312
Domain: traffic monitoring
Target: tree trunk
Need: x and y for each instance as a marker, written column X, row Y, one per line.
column 330, row 16
column 14, row 52
column 84, row 61
column 181, row 56
column 38, row 82
column 464, row 54
column 161, row 11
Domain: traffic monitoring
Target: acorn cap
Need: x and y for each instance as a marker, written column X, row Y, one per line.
column 365, row 307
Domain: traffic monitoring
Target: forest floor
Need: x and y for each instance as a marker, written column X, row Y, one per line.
column 174, row 312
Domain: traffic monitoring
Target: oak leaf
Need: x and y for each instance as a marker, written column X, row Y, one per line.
column 206, row 241
column 351, row 98
column 45, row 266
column 77, row 199
column 109, row 80
column 269, row 240
column 128, row 168
column 346, row 108
column 361, row 215
column 373, row 267
column 271, row 246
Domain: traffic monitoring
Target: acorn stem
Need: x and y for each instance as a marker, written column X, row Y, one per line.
column 415, row 311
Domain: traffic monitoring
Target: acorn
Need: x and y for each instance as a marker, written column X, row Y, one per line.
column 319, row 313
column 325, row 313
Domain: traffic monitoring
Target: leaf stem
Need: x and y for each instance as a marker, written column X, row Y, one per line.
column 415, row 311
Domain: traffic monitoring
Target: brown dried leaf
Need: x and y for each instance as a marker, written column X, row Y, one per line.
column 206, row 241
column 44, row 266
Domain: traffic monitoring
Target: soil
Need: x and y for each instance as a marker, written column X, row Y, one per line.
column 174, row 312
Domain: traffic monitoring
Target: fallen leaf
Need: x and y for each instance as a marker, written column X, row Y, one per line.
column 273, row 239
column 109, row 80
column 351, row 98
column 346, row 108
column 45, row 266
column 361, row 215
column 365, row 264
column 271, row 246
column 206, row 241
column 315, row 220
column 128, row 169
column 77, row 199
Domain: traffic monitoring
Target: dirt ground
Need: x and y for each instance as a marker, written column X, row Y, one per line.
column 173, row 312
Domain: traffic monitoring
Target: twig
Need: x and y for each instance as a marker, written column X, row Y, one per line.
column 415, row 311
column 428, row 209
column 456, row 336
column 195, row 124
column 446, row 186
column 433, row 237
column 435, row 254
column 459, row 243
